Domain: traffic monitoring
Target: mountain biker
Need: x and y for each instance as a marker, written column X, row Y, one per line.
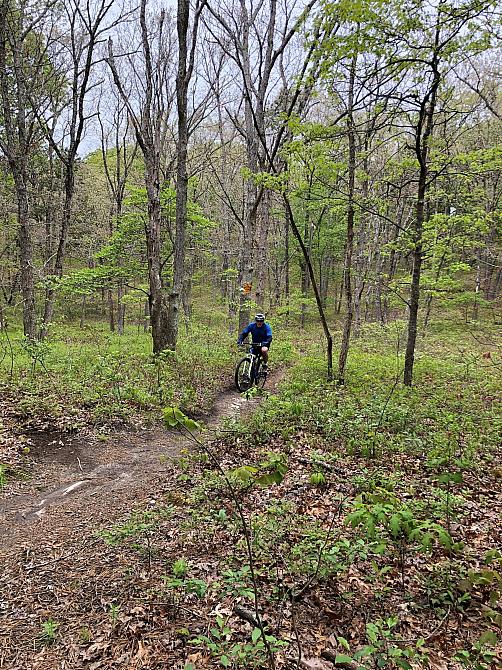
column 261, row 333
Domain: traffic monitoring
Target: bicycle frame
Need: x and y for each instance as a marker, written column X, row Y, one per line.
column 252, row 367
column 251, row 364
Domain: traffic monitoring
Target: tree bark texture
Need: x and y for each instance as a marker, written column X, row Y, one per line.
column 349, row 247
column 422, row 137
column 17, row 146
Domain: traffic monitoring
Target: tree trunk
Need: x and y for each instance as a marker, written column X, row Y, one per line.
column 121, row 308
column 287, row 226
column 185, row 67
column 322, row 313
column 26, row 259
column 157, row 297
column 61, row 251
column 344, row 350
column 261, row 248
column 17, row 145
column 423, row 134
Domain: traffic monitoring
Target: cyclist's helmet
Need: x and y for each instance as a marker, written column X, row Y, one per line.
column 259, row 317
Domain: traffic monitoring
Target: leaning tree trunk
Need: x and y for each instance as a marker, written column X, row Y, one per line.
column 313, row 281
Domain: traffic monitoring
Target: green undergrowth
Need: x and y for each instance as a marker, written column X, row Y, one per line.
column 90, row 375
column 369, row 515
column 358, row 521
column 451, row 408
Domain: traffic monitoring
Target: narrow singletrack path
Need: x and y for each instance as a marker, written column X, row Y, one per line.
column 52, row 558
column 92, row 478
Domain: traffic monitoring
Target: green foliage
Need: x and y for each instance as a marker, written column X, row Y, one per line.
column 138, row 526
column 384, row 650
column 3, row 476
column 236, row 583
column 114, row 613
column 386, row 519
column 91, row 375
column 481, row 654
column 269, row 471
column 175, row 418
column 442, row 585
column 181, row 583
column 317, row 479
column 238, row 654
column 85, row 634
column 180, row 567
column 49, row 631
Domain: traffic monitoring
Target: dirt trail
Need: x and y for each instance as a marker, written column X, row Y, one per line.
column 79, row 482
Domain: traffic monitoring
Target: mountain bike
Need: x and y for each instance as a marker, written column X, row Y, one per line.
column 250, row 369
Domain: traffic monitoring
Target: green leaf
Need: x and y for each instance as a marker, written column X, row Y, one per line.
column 225, row 661
column 244, row 473
column 191, row 425
column 395, row 524
column 255, row 634
column 343, row 642
column 371, row 632
column 488, row 637
column 343, row 658
column 271, row 478
column 367, row 650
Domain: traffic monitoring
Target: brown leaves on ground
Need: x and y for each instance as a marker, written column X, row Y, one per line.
column 123, row 606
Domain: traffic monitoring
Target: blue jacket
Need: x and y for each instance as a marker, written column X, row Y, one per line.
column 262, row 334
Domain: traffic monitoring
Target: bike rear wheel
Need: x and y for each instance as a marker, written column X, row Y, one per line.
column 244, row 374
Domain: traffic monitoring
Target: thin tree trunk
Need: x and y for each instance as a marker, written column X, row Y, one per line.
column 421, row 148
column 26, row 259
column 322, row 313
column 82, row 312
column 121, row 308
column 184, row 74
column 344, row 350
column 61, row 251
column 261, row 246
column 287, row 226
column 157, row 297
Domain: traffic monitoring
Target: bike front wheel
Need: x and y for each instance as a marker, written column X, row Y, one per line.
column 260, row 375
column 244, row 374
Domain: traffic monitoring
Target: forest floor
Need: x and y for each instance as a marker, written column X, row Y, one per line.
column 361, row 524
column 74, row 485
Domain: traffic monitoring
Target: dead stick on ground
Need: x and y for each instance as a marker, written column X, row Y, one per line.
column 248, row 616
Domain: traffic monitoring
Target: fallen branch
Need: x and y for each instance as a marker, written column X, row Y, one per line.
column 322, row 464
column 249, row 616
